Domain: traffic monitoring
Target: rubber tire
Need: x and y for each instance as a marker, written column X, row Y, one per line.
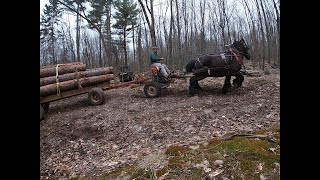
column 41, row 113
column 96, row 96
column 152, row 89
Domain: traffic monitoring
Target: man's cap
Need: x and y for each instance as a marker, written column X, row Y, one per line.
column 154, row 47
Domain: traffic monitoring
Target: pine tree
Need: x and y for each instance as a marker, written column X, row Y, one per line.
column 95, row 16
column 78, row 6
column 126, row 17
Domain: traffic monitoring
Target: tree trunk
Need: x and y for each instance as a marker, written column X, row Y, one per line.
column 71, row 46
column 125, row 47
column 226, row 20
column 150, row 24
column 100, row 52
column 109, row 39
column 74, row 84
column 222, row 22
column 69, row 76
column 186, row 30
column 133, row 46
column 278, row 29
column 78, row 32
column 268, row 34
column 202, row 31
column 139, row 49
column 262, row 35
column 253, row 35
column 179, row 38
column 53, row 54
column 170, row 37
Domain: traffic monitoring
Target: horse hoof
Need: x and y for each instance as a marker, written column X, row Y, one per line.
column 200, row 90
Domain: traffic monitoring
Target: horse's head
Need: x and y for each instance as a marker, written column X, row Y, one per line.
column 242, row 47
column 190, row 66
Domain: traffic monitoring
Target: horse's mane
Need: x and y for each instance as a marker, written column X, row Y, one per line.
column 190, row 65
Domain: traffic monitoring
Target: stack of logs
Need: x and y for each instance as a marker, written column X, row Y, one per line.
column 55, row 79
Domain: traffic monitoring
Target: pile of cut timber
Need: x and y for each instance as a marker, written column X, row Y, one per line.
column 55, row 79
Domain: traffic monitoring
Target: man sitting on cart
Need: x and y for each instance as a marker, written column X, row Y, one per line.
column 155, row 60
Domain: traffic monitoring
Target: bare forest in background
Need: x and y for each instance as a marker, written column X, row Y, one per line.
column 117, row 33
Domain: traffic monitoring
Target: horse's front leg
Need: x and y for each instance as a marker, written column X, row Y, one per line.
column 227, row 84
column 237, row 82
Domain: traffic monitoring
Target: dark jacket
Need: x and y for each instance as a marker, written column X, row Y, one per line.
column 154, row 58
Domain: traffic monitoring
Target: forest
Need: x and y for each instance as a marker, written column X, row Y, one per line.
column 103, row 33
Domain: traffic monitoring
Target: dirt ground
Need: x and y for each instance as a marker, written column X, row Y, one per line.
column 80, row 140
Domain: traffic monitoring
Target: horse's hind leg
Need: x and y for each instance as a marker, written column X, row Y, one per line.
column 197, row 86
column 238, row 81
column 227, row 84
column 194, row 85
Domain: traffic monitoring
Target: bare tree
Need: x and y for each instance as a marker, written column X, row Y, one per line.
column 150, row 23
column 202, row 30
column 169, row 50
column 185, row 30
column 179, row 36
column 139, row 47
column 262, row 34
column 268, row 33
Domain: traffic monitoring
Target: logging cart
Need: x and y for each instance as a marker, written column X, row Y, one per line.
column 70, row 80
column 96, row 94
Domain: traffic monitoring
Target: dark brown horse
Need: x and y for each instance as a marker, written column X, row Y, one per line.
column 228, row 63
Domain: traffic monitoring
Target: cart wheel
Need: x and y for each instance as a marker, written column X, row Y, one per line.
column 152, row 89
column 45, row 106
column 41, row 113
column 96, row 96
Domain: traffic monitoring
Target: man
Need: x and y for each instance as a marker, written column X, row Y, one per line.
column 157, row 61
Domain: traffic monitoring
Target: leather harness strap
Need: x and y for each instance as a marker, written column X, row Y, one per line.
column 235, row 56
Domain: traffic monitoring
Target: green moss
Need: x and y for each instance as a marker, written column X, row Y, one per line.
column 258, row 147
column 162, row 171
column 214, row 142
column 118, row 173
column 175, row 162
column 243, row 158
column 196, row 173
column 176, row 150
column 141, row 174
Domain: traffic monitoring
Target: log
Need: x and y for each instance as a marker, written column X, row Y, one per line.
column 64, row 64
column 62, row 69
column 74, row 84
column 69, row 76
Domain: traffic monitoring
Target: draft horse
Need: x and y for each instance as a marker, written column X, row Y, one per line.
column 226, row 64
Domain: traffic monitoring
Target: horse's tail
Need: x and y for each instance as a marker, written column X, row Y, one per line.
column 190, row 65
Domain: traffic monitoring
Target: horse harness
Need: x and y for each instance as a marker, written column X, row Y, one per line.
column 223, row 56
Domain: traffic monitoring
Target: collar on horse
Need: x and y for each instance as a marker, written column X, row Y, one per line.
column 235, row 55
